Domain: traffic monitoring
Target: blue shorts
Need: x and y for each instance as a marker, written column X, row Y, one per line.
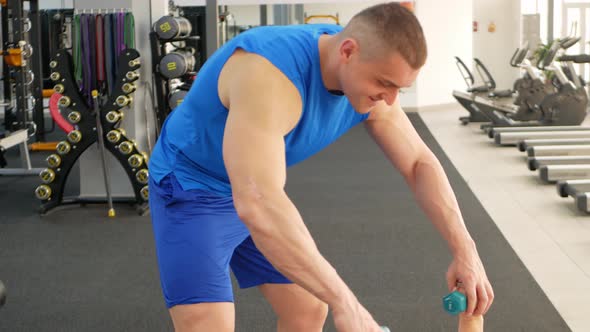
column 198, row 238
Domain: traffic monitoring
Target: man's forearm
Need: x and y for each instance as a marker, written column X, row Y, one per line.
column 280, row 234
column 435, row 195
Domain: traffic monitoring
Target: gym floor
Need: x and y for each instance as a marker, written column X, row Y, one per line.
column 75, row 270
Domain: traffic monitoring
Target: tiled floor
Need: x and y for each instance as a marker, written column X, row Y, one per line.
column 546, row 231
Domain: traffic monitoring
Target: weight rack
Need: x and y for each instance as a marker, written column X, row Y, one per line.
column 83, row 118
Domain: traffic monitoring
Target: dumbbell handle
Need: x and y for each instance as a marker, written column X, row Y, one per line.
column 472, row 323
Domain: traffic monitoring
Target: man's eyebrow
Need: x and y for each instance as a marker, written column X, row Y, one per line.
column 388, row 82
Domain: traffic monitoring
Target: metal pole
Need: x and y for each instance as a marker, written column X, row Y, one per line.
column 19, row 34
column 299, row 14
column 37, row 67
column 281, row 14
column 550, row 20
column 263, row 15
column 103, row 157
column 212, row 24
column 8, row 110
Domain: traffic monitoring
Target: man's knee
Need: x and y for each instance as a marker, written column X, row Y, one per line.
column 312, row 317
column 203, row 317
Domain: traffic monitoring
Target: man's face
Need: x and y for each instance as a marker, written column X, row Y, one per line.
column 367, row 81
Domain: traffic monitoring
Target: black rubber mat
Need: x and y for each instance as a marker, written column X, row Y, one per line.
column 75, row 270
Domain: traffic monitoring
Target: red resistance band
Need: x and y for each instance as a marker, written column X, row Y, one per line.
column 56, row 114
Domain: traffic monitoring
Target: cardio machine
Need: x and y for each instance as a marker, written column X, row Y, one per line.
column 564, row 107
column 488, row 89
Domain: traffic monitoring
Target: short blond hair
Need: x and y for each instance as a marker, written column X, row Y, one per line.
column 388, row 27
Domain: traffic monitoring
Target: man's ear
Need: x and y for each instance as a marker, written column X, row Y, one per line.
column 348, row 48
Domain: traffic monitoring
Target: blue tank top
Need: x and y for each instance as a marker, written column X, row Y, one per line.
column 190, row 143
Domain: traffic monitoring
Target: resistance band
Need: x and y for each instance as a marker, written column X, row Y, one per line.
column 98, row 41
column 108, row 50
column 120, row 32
column 100, row 70
column 86, row 55
column 129, row 30
column 84, row 60
column 56, row 114
column 77, row 51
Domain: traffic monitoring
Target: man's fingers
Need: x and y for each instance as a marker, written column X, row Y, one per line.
column 451, row 285
column 490, row 292
column 482, row 300
column 451, row 281
column 471, row 299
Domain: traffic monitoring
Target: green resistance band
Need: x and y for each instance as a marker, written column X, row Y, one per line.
column 129, row 32
column 77, row 49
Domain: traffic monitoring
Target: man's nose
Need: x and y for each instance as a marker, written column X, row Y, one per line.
column 389, row 96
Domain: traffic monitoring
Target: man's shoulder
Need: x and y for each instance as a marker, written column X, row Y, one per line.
column 270, row 31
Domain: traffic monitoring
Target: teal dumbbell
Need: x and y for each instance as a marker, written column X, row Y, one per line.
column 385, row 329
column 455, row 303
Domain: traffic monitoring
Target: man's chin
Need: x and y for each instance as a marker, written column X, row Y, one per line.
column 370, row 107
column 364, row 109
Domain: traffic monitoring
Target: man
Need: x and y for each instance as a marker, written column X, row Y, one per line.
column 270, row 98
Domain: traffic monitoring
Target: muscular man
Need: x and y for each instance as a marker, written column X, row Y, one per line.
column 267, row 99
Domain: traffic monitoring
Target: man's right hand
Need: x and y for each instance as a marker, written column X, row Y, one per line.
column 353, row 317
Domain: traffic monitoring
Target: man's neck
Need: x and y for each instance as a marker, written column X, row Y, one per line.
column 326, row 47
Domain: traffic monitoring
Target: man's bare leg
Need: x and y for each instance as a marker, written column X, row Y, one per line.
column 203, row 317
column 296, row 308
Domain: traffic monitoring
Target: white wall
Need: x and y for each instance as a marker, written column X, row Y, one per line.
column 447, row 27
column 247, row 14
column 250, row 14
column 345, row 11
column 495, row 49
column 56, row 4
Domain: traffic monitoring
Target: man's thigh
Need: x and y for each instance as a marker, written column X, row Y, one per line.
column 196, row 234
